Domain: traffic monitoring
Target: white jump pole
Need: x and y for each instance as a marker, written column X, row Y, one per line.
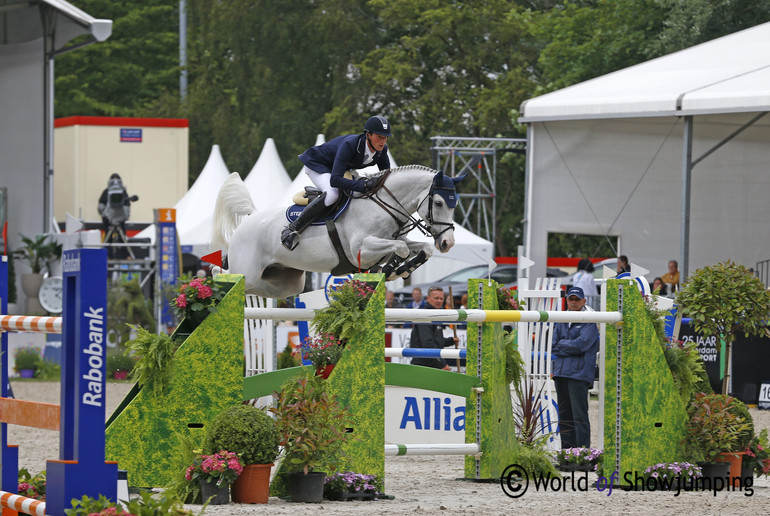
column 422, row 315
column 393, row 450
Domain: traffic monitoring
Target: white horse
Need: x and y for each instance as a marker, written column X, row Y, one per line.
column 372, row 231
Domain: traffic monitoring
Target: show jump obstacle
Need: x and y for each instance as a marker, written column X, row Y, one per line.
column 81, row 469
column 643, row 415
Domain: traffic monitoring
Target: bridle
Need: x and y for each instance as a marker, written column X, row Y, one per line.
column 405, row 220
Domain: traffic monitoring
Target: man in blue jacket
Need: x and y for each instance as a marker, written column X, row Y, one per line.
column 574, row 350
column 326, row 165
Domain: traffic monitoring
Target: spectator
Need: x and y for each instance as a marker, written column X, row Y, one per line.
column 658, row 287
column 574, row 350
column 584, row 277
column 417, row 301
column 390, row 299
column 623, row 265
column 671, row 278
column 431, row 335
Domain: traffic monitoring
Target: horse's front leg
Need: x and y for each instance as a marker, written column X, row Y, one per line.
column 374, row 249
column 419, row 253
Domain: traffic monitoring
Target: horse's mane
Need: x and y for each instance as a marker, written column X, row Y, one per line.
column 405, row 168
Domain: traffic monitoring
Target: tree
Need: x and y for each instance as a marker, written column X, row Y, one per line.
column 723, row 300
column 127, row 72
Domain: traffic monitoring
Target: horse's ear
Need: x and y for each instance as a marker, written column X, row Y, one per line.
column 459, row 178
column 439, row 177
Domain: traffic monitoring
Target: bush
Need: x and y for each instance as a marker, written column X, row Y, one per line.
column 27, row 358
column 119, row 361
column 286, row 359
column 245, row 430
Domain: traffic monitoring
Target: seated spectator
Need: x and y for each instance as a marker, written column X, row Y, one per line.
column 658, row 287
column 671, row 278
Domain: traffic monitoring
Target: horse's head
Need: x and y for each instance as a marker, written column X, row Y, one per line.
column 439, row 210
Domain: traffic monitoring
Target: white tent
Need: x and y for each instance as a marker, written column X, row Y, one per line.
column 617, row 156
column 268, row 179
column 195, row 210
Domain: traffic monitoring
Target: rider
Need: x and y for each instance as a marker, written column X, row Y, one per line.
column 326, row 165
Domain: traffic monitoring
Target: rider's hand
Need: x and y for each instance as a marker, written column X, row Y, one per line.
column 371, row 184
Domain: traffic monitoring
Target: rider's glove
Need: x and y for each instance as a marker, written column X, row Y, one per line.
column 371, row 184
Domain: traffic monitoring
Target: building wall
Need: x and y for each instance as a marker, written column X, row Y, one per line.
column 87, row 150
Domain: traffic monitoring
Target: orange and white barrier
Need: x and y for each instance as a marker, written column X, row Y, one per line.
column 21, row 504
column 30, row 323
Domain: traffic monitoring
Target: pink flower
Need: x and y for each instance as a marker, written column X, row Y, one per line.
column 204, row 291
column 181, row 301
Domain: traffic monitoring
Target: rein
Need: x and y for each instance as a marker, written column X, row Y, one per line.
column 410, row 222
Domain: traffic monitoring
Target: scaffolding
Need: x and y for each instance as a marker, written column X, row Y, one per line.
column 477, row 157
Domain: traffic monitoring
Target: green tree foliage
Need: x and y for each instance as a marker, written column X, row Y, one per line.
column 124, row 75
column 723, row 300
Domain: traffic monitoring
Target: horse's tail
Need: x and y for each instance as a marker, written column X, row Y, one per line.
column 233, row 205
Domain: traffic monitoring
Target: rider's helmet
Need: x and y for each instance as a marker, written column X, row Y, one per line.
column 377, row 125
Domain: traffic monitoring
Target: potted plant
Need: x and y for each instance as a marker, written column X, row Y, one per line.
column 344, row 317
column 712, row 429
column 723, row 300
column 155, row 354
column 347, row 485
column 27, row 361
column 252, row 434
column 756, row 460
column 671, row 475
column 215, row 473
column 312, row 427
column 578, row 459
column 324, row 351
column 38, row 254
column 196, row 298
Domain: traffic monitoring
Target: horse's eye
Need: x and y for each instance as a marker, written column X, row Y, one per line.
column 438, row 202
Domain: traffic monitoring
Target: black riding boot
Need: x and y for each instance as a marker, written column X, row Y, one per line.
column 290, row 234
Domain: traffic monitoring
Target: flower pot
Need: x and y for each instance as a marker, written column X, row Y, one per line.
column 253, row 484
column 747, row 471
column 358, row 497
column 27, row 373
column 325, row 371
column 30, row 284
column 735, row 459
column 712, row 470
column 220, row 493
column 306, row 488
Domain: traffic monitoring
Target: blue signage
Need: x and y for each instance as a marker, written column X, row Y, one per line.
column 165, row 221
column 131, row 135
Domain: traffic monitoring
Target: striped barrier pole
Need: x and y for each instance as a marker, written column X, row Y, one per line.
column 393, row 450
column 423, row 315
column 23, row 504
column 30, row 323
column 424, row 353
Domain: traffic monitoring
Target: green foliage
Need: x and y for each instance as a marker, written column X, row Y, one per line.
column 739, row 409
column 725, row 299
column 27, row 358
column 126, row 305
column 245, row 430
column 713, row 427
column 12, row 292
column 514, row 365
column 32, row 486
column 145, row 505
column 48, row 370
column 536, row 461
column 286, row 359
column 344, row 317
column 119, row 361
column 155, row 354
column 38, row 253
column 758, row 454
column 687, row 369
column 722, row 300
column 179, row 487
column 312, row 425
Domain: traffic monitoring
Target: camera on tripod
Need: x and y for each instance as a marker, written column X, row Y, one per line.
column 115, row 209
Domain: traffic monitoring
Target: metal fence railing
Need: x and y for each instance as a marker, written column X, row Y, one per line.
column 762, row 271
